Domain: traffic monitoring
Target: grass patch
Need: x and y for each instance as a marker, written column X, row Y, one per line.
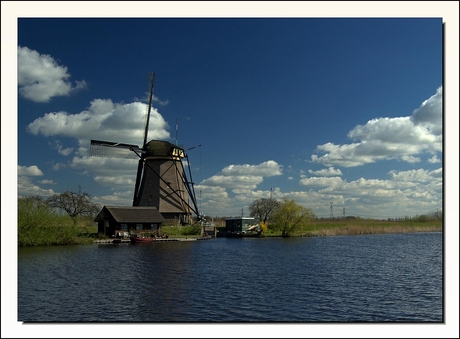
column 181, row 231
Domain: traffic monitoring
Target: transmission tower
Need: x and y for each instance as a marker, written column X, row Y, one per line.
column 344, row 212
column 332, row 214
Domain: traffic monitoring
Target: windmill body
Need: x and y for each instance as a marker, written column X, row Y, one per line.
column 161, row 180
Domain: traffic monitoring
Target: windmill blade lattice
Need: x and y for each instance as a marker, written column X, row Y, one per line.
column 108, row 149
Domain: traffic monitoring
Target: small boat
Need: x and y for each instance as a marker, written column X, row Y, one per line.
column 136, row 238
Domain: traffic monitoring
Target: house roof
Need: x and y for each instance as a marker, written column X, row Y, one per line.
column 131, row 214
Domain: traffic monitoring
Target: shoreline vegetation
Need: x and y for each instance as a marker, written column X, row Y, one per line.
column 63, row 230
column 68, row 219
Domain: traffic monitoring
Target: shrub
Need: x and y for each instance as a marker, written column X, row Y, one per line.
column 40, row 225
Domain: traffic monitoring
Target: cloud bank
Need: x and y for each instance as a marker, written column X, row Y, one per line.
column 402, row 138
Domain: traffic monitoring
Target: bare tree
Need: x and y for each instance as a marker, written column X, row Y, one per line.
column 263, row 208
column 75, row 204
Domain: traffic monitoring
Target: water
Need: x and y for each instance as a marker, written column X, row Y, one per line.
column 365, row 278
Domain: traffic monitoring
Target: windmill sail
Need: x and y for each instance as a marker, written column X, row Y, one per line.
column 147, row 118
column 109, row 149
column 141, row 164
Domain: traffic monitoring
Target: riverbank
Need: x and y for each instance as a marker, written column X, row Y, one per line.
column 85, row 234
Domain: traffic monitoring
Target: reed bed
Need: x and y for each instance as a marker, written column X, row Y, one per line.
column 368, row 227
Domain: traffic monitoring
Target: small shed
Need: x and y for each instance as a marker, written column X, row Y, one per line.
column 121, row 220
column 242, row 225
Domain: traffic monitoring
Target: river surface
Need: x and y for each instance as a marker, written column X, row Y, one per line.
column 364, row 278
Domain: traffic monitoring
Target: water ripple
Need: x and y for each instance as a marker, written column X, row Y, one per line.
column 375, row 278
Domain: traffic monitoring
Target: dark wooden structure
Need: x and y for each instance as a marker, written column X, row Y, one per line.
column 242, row 225
column 120, row 221
column 162, row 182
column 208, row 231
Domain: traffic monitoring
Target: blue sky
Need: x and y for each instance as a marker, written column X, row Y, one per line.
column 320, row 110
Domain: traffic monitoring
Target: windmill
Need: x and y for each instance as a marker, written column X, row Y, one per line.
column 161, row 179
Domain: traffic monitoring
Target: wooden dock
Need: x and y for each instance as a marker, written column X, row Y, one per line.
column 128, row 241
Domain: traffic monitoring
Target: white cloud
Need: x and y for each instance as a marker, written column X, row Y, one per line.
column 103, row 120
column 116, row 173
column 154, row 99
column 389, row 138
column 241, row 180
column 30, row 171
column 434, row 160
column 58, row 166
column 117, row 198
column 420, row 175
column 429, row 114
column 40, row 77
column 47, row 182
column 410, row 159
column 243, row 177
column 57, row 145
column 405, row 193
column 120, row 173
column 327, row 172
column 321, row 181
column 26, row 186
column 268, row 168
column 160, row 102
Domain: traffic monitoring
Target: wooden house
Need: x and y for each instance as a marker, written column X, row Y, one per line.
column 120, row 220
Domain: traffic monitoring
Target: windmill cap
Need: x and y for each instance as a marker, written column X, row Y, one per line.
column 160, row 148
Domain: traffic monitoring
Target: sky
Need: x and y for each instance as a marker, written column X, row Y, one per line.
column 331, row 112
column 341, row 112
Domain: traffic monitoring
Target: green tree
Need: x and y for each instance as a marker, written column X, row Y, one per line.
column 74, row 204
column 289, row 217
column 263, row 208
